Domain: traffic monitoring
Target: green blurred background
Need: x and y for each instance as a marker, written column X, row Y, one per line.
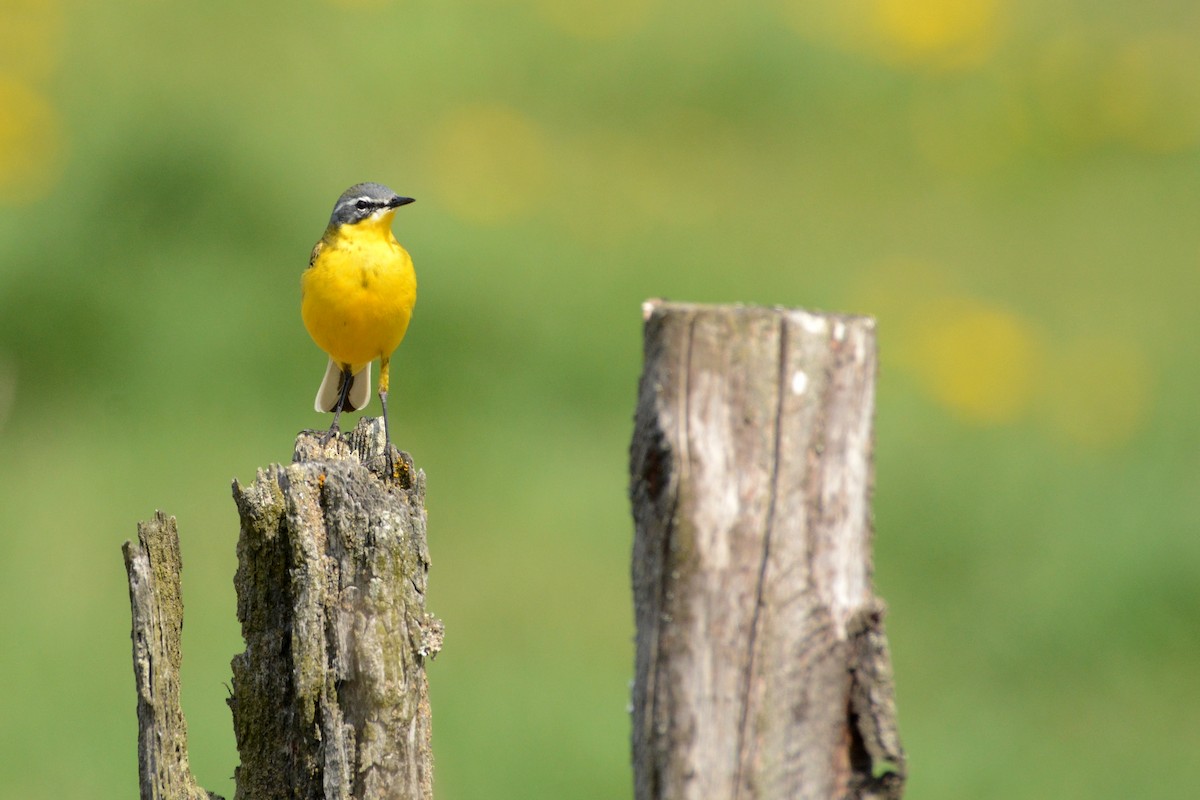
column 1012, row 188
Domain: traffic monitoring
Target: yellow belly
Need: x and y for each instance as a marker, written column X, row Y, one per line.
column 357, row 298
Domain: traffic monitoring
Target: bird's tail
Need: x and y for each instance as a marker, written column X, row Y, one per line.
column 331, row 389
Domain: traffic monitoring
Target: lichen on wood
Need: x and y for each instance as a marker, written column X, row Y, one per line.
column 330, row 698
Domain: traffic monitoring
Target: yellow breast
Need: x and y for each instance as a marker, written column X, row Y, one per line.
column 358, row 293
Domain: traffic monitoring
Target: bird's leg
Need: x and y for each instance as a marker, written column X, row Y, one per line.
column 383, row 393
column 344, row 384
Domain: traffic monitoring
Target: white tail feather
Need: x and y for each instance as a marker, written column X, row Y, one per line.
column 360, row 388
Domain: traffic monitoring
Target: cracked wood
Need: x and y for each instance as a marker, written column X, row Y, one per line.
column 751, row 481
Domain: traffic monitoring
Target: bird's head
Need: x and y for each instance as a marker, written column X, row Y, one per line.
column 366, row 201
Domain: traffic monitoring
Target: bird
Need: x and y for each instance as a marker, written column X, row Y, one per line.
column 357, row 298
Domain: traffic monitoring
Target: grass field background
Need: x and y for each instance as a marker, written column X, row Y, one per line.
column 1011, row 188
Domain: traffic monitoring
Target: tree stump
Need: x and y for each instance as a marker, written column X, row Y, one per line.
column 330, row 698
column 762, row 670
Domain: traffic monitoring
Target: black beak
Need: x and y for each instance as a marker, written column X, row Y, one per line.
column 398, row 201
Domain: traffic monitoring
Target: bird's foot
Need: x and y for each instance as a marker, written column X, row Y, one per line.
column 329, row 435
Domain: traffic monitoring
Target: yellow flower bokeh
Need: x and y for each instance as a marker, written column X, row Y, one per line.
column 990, row 365
column 938, row 35
column 976, row 359
column 31, row 142
column 945, row 34
column 32, row 139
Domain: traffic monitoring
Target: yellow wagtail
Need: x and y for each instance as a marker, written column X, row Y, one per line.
column 357, row 297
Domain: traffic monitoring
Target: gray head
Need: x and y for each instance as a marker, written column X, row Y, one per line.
column 364, row 200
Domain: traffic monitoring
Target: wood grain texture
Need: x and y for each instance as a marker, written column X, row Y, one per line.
column 330, row 698
column 154, row 568
column 751, row 474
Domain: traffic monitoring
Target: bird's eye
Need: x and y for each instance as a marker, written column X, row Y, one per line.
column 361, row 204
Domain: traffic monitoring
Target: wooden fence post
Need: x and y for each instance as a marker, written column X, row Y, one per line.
column 762, row 670
column 330, row 698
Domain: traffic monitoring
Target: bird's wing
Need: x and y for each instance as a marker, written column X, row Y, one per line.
column 316, row 251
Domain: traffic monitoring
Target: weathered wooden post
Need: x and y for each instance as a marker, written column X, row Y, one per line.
column 154, row 567
column 762, row 670
column 330, row 698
